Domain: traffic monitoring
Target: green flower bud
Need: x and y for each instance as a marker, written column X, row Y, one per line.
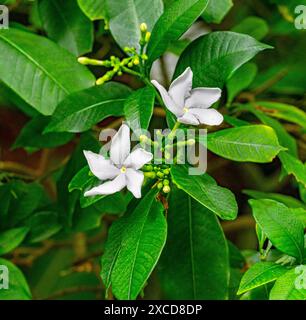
column 166, row 171
column 136, row 61
column 130, row 64
column 147, row 37
column 119, row 73
column 166, row 189
column 160, row 185
column 143, row 27
column 151, row 175
column 166, row 182
column 160, row 174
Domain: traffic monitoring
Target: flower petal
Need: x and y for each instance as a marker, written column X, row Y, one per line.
column 210, row 117
column 138, row 158
column 203, row 97
column 134, row 180
column 102, row 168
column 121, row 145
column 108, row 187
column 180, row 88
column 188, row 118
column 170, row 104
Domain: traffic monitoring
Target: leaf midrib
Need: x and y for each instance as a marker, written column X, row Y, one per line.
column 18, row 49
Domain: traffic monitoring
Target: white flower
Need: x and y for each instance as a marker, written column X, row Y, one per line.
column 122, row 169
column 191, row 106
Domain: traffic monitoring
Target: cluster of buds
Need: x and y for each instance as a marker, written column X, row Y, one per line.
column 144, row 35
column 161, row 173
column 119, row 66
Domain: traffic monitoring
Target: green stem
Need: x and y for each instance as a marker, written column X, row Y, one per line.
column 173, row 131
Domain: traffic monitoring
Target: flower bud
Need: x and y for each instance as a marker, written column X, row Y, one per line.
column 136, row 61
column 147, row 37
column 166, row 189
column 166, row 171
column 151, row 175
column 143, row 27
column 160, row 174
column 160, row 185
column 166, row 182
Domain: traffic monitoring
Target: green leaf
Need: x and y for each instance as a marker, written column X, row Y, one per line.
column 205, row 190
column 11, row 239
column 294, row 166
column 286, row 200
column 90, row 217
column 260, row 274
column 31, row 135
column 283, row 111
column 25, row 199
column 94, row 9
column 240, row 80
column 255, row 143
column 83, row 109
column 66, row 24
column 84, row 180
column 253, row 26
column 138, row 108
column 18, row 287
column 214, row 57
column 43, row 73
column 176, row 19
column 125, row 18
column 283, row 229
column 285, row 287
column 285, row 139
column 133, row 248
column 217, row 10
column 42, row 225
column 194, row 238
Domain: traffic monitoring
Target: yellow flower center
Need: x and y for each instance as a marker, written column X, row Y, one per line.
column 123, row 169
column 186, row 110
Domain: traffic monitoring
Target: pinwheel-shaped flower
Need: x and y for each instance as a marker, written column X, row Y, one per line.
column 191, row 106
column 122, row 169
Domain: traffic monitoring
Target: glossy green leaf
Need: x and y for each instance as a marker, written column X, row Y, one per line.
column 259, row 274
column 31, row 135
column 11, row 239
column 125, row 18
column 283, row 111
column 138, row 108
column 214, row 57
column 217, row 10
column 284, row 138
column 283, row 229
column 294, row 166
column 133, row 248
column 66, row 24
column 94, row 9
column 290, row 286
column 18, row 287
column 205, row 190
column 289, row 201
column 176, row 19
column 253, row 26
column 240, row 80
column 43, row 73
column 42, row 225
column 81, row 110
column 194, row 236
column 256, row 143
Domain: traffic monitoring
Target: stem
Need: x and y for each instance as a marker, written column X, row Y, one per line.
column 173, row 131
